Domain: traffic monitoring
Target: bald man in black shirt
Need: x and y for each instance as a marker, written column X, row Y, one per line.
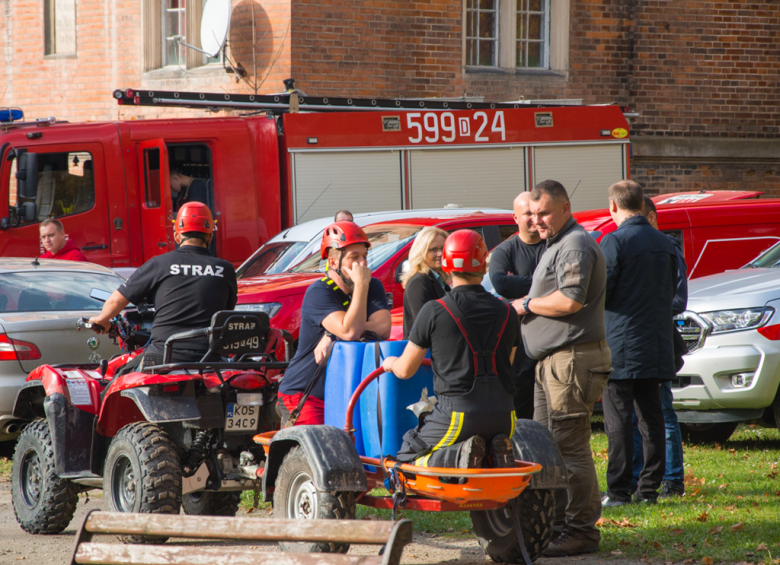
column 512, row 267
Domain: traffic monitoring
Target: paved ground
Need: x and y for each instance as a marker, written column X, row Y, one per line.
column 17, row 546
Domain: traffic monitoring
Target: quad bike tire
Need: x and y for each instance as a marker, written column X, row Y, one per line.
column 142, row 473
column 207, row 503
column 297, row 497
column 43, row 503
column 496, row 533
column 718, row 432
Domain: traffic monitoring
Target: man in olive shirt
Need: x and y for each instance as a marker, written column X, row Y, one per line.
column 563, row 327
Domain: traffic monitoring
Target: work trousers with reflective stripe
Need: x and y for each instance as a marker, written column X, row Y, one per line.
column 437, row 441
column 568, row 382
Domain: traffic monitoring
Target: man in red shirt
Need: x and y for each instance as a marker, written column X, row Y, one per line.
column 56, row 243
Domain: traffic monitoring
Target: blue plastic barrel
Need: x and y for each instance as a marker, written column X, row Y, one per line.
column 342, row 377
column 383, row 414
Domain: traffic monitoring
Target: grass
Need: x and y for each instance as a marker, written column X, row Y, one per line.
column 5, row 469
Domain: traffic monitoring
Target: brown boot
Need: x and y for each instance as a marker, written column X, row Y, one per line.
column 501, row 453
column 472, row 452
column 570, row 542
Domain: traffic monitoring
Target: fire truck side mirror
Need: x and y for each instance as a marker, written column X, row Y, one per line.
column 27, row 175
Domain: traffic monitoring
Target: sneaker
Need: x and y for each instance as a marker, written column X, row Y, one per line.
column 501, row 453
column 644, row 499
column 472, row 453
column 614, row 501
column 671, row 489
column 569, row 542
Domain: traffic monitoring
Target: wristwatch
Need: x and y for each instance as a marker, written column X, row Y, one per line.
column 525, row 305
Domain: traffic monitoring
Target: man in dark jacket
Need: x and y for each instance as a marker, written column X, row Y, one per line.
column 641, row 283
column 512, row 267
column 674, row 473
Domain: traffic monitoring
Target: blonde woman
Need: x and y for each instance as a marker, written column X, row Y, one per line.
column 424, row 280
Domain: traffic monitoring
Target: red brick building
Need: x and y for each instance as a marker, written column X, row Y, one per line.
column 703, row 76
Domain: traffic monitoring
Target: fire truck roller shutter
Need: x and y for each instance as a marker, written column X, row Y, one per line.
column 361, row 181
column 489, row 177
column 595, row 168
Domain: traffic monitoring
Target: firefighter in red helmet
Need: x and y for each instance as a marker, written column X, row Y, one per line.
column 472, row 337
column 187, row 287
column 344, row 305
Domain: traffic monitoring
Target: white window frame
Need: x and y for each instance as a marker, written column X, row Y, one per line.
column 59, row 28
column 475, row 37
column 556, row 42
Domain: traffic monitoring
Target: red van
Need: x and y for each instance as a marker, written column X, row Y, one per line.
column 717, row 235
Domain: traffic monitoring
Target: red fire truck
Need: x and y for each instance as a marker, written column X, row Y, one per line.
column 289, row 159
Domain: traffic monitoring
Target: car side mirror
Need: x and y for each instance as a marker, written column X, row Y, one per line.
column 402, row 268
column 5, row 223
column 28, row 211
column 27, row 175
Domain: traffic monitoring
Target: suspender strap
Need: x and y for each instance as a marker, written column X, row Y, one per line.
column 343, row 296
column 485, row 357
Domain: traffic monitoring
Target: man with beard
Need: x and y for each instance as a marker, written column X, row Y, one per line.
column 511, row 272
column 344, row 305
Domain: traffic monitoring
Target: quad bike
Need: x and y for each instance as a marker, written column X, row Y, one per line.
column 315, row 472
column 157, row 439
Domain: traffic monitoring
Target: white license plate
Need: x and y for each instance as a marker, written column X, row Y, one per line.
column 242, row 418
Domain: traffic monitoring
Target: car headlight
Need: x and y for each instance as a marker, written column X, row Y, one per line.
column 270, row 308
column 724, row 321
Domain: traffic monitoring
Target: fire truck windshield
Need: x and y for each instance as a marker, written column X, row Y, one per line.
column 386, row 241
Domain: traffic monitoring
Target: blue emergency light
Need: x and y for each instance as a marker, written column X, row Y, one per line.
column 11, row 114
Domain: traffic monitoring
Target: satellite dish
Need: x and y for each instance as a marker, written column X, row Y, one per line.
column 214, row 26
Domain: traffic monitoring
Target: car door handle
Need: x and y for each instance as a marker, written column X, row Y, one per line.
column 162, row 244
column 94, row 247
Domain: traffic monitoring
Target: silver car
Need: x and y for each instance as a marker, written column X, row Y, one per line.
column 732, row 330
column 40, row 302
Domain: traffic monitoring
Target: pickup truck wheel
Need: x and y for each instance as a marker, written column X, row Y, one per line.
column 718, row 432
column 207, row 503
column 296, row 496
column 142, row 473
column 496, row 533
column 43, row 503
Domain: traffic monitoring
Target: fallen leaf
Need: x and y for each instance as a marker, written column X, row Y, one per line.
column 772, row 475
column 657, row 545
column 738, row 527
column 749, row 554
column 617, row 552
column 754, row 504
column 704, row 516
column 732, row 507
column 733, row 451
column 723, row 485
column 716, row 530
column 676, row 531
column 706, row 561
column 464, row 531
column 739, row 497
column 688, row 562
column 621, row 542
column 762, row 547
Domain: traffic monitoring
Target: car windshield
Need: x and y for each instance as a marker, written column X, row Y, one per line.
column 271, row 258
column 51, row 291
column 768, row 259
column 385, row 240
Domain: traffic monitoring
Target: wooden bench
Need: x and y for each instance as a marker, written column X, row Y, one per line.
column 392, row 535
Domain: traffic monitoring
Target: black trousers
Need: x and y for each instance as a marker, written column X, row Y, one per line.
column 437, row 441
column 524, row 377
column 619, row 398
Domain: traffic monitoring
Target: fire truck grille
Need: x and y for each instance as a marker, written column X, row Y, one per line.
column 692, row 331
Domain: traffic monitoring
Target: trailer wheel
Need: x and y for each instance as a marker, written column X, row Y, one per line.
column 43, row 503
column 708, row 433
column 206, row 503
column 496, row 533
column 296, row 496
column 142, row 473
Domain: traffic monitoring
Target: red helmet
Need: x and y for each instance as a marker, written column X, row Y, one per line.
column 194, row 216
column 464, row 252
column 340, row 235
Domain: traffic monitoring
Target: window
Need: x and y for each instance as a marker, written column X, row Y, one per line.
column 53, row 291
column 516, row 34
column 532, row 34
column 59, row 27
column 482, row 33
column 65, row 186
column 506, row 232
column 164, row 22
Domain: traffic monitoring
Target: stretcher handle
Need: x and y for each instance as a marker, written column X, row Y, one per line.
column 359, row 390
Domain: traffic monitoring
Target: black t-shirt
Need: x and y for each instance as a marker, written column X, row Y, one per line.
column 188, row 287
column 452, row 360
column 420, row 289
column 512, row 266
column 319, row 302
